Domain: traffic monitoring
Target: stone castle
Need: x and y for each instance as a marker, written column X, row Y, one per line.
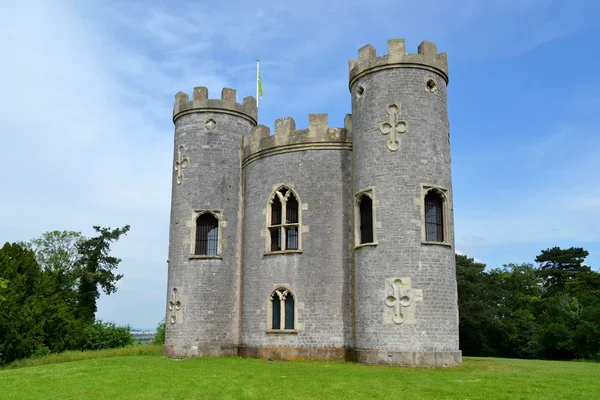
column 321, row 243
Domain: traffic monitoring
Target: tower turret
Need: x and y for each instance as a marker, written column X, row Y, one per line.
column 205, row 233
column 406, row 309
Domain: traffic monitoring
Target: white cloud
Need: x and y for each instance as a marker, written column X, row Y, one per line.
column 88, row 90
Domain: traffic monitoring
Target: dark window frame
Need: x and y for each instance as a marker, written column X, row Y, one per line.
column 206, row 235
column 434, row 216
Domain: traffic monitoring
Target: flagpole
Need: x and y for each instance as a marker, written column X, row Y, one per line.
column 257, row 75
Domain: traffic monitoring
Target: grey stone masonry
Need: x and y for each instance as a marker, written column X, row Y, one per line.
column 208, row 138
column 318, row 273
column 391, row 300
column 399, row 179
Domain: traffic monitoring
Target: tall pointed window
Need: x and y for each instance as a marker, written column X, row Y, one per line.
column 365, row 208
column 283, row 309
column 434, row 217
column 284, row 221
column 207, row 235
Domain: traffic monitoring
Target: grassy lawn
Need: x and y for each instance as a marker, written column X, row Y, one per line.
column 154, row 377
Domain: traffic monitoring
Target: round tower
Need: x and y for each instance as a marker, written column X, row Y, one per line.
column 406, row 310
column 202, row 316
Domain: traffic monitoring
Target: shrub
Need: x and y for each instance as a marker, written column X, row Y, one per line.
column 41, row 352
column 159, row 339
column 106, row 335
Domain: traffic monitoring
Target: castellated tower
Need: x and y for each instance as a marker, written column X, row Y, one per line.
column 202, row 316
column 405, row 275
column 319, row 242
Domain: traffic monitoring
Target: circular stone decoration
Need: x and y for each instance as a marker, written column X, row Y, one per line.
column 210, row 124
column 398, row 319
column 405, row 301
column 390, row 301
column 431, row 86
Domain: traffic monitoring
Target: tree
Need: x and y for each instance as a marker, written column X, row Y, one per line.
column 21, row 324
column 558, row 266
column 57, row 254
column 95, row 268
column 3, row 285
column 479, row 297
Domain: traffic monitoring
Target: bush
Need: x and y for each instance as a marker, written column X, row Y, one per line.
column 106, row 335
column 159, row 338
column 41, row 352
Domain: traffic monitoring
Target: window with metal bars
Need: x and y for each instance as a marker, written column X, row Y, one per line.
column 366, row 219
column 282, row 309
column 207, row 235
column 284, row 221
column 434, row 217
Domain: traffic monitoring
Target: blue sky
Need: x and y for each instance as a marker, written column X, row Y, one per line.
column 88, row 88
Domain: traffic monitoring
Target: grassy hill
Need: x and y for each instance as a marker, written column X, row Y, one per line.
column 153, row 377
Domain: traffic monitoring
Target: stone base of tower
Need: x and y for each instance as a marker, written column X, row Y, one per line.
column 295, row 353
column 198, row 351
column 407, row 358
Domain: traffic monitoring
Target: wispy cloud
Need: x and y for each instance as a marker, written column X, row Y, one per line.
column 88, row 90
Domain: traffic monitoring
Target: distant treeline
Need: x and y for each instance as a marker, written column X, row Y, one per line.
column 548, row 311
column 48, row 292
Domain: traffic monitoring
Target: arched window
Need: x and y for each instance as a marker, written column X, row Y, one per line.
column 282, row 310
column 366, row 219
column 284, row 221
column 434, row 217
column 207, row 235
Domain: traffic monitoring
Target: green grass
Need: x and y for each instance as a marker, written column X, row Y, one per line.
column 154, row 377
column 68, row 356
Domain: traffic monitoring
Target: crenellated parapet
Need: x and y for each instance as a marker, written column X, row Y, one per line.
column 227, row 104
column 427, row 58
column 319, row 136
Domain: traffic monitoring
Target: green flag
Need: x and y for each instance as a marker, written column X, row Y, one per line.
column 260, row 89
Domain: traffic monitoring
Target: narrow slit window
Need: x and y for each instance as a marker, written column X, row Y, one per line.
column 276, row 211
column 434, row 217
column 276, row 311
column 366, row 219
column 207, row 235
column 275, row 239
column 289, row 311
column 291, row 210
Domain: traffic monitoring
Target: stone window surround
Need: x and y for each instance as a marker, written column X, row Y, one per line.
column 301, row 207
column 218, row 214
column 443, row 193
column 297, row 326
column 369, row 191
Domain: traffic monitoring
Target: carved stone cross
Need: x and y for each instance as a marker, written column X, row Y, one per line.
column 401, row 298
column 398, row 300
column 174, row 305
column 393, row 127
column 180, row 164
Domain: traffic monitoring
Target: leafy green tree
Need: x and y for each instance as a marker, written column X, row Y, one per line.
column 159, row 338
column 95, row 269
column 21, row 322
column 478, row 304
column 57, row 254
column 3, row 285
column 558, row 266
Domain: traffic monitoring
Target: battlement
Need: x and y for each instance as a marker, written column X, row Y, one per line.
column 319, row 136
column 227, row 104
column 368, row 61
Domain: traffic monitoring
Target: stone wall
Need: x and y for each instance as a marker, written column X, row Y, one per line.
column 207, row 134
column 319, row 275
column 397, row 171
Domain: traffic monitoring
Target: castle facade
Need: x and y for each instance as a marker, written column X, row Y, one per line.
column 322, row 243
